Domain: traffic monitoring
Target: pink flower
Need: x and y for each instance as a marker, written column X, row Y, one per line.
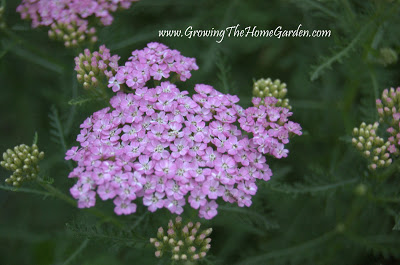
column 124, row 206
column 144, row 165
column 209, row 210
column 154, row 201
column 165, row 168
column 174, row 206
column 197, row 199
column 212, row 189
column 106, row 192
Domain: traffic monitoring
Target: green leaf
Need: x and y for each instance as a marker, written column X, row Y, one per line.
column 287, row 254
column 338, row 56
column 35, row 138
column 253, row 216
column 37, row 59
column 80, row 100
column 313, row 185
column 57, row 132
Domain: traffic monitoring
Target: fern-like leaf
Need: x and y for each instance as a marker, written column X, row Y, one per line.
column 56, row 130
column 312, row 185
column 339, row 56
column 299, row 251
column 224, row 74
column 251, row 217
column 313, row 5
column 35, row 138
column 385, row 245
column 80, row 100
column 397, row 223
column 107, row 233
column 57, row 133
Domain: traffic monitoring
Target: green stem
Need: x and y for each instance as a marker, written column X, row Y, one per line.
column 384, row 199
column 62, row 196
column 54, row 192
column 77, row 252
column 31, row 53
column 57, row 193
column 26, row 190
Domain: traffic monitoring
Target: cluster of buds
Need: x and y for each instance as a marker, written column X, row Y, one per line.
column 23, row 161
column 387, row 56
column 183, row 242
column 91, row 67
column 373, row 147
column 267, row 88
column 72, row 34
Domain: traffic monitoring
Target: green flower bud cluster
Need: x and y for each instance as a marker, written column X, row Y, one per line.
column 373, row 147
column 71, row 34
column 23, row 161
column 184, row 242
column 267, row 88
column 387, row 56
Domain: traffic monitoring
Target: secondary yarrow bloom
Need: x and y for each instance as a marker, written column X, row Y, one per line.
column 156, row 62
column 69, row 19
column 169, row 149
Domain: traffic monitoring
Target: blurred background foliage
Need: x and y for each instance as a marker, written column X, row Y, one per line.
column 322, row 205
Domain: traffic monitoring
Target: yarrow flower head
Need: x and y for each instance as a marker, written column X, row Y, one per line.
column 91, row 67
column 23, row 161
column 168, row 149
column 267, row 88
column 69, row 19
column 156, row 62
column 184, row 242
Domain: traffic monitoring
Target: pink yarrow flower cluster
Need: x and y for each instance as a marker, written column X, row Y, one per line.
column 156, row 62
column 167, row 149
column 47, row 12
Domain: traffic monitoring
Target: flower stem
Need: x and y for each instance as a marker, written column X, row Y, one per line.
column 53, row 191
